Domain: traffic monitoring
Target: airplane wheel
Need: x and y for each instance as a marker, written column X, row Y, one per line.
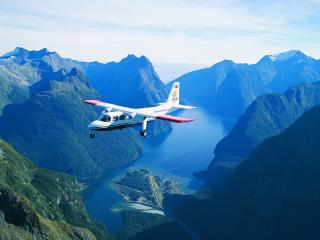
column 143, row 133
column 92, row 135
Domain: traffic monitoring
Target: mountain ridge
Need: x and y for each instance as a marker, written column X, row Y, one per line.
column 53, row 132
column 41, row 203
column 227, row 88
column 272, row 194
column 267, row 116
column 131, row 82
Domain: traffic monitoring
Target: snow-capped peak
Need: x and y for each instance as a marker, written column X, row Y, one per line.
column 285, row 55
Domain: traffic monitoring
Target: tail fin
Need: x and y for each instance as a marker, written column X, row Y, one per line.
column 173, row 98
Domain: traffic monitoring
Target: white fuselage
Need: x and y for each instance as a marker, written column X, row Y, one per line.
column 117, row 120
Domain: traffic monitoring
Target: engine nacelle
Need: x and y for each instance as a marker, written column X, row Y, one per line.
column 110, row 114
column 109, row 109
column 132, row 115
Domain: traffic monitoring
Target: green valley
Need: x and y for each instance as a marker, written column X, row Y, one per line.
column 42, row 204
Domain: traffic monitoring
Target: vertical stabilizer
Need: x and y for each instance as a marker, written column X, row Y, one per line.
column 173, row 98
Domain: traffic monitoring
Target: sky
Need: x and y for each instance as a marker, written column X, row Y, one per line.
column 176, row 35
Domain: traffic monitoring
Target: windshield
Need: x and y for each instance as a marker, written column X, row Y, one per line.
column 105, row 118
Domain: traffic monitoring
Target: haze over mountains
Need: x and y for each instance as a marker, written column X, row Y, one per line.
column 267, row 116
column 281, row 174
column 227, row 88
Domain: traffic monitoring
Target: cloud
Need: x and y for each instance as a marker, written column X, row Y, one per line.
column 176, row 31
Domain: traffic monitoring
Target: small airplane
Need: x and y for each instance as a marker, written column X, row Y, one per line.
column 124, row 117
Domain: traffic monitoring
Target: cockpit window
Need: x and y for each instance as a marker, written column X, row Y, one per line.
column 106, row 118
column 115, row 118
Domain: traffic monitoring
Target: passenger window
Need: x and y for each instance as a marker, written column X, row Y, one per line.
column 122, row 117
column 115, row 118
column 106, row 118
column 128, row 117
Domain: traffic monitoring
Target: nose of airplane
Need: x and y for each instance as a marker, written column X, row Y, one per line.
column 93, row 124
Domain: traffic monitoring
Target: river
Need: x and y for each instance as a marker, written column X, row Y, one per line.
column 188, row 148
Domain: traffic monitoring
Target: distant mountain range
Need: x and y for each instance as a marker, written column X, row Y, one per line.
column 227, row 88
column 268, row 163
column 132, row 82
column 38, row 203
column 21, row 68
column 273, row 194
column 267, row 116
column 134, row 75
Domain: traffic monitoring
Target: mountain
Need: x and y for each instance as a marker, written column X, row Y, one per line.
column 38, row 203
column 267, row 116
column 37, row 84
column 15, row 80
column 132, row 82
column 21, row 68
column 24, row 57
column 276, row 189
column 50, row 128
column 133, row 77
column 227, row 88
column 273, row 194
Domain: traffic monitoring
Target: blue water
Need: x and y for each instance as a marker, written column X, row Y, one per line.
column 188, row 148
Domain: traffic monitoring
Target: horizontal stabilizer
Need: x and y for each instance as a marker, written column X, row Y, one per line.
column 183, row 106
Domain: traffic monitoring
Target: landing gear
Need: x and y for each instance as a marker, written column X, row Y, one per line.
column 143, row 132
column 92, row 135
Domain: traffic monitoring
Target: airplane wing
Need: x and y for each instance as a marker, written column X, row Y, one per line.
column 117, row 107
column 137, row 111
column 109, row 105
column 174, row 119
